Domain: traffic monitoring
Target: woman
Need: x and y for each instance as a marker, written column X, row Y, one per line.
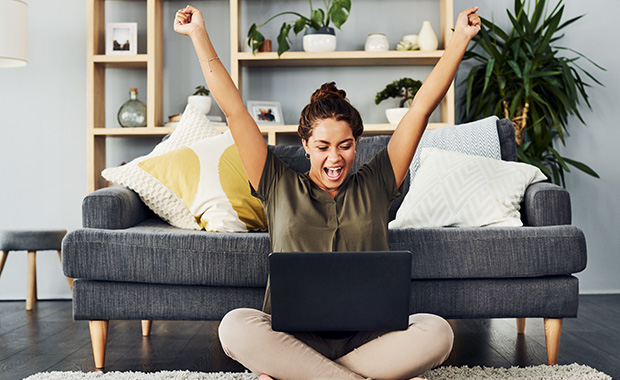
column 329, row 209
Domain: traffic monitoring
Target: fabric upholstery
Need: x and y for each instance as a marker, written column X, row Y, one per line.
column 143, row 254
column 113, row 208
column 31, row 240
column 546, row 204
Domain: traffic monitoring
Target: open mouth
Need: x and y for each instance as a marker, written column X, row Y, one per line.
column 333, row 174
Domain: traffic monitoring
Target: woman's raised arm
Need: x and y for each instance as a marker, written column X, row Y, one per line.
column 408, row 133
column 245, row 132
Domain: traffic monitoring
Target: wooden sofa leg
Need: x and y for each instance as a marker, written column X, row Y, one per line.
column 146, row 327
column 553, row 331
column 99, row 338
column 520, row 325
column 31, row 288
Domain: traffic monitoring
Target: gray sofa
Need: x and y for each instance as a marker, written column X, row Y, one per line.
column 130, row 265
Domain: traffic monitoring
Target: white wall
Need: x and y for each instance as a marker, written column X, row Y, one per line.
column 43, row 113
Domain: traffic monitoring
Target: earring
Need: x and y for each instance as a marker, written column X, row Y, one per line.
column 307, row 156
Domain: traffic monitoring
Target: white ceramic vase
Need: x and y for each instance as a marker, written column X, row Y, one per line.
column 201, row 102
column 319, row 41
column 394, row 115
column 427, row 40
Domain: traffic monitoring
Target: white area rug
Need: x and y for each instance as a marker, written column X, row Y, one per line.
column 542, row 372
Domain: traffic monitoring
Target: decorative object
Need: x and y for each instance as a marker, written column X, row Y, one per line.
column 13, row 33
column 336, row 11
column 541, row 372
column 200, row 99
column 265, row 113
column 265, row 47
column 377, row 42
column 404, row 88
column 321, row 40
column 467, row 191
column 121, row 38
column 210, row 181
column 409, row 42
column 132, row 113
column 519, row 74
column 427, row 39
column 193, row 127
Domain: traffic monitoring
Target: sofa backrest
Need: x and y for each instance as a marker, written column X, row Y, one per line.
column 369, row 146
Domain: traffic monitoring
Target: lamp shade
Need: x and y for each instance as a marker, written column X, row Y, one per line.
column 13, row 33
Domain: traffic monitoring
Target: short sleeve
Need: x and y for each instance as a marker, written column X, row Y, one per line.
column 273, row 169
column 380, row 168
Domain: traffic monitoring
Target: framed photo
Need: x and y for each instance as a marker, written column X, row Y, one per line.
column 121, row 38
column 265, row 113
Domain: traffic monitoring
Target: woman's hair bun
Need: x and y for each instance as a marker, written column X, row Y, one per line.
column 328, row 90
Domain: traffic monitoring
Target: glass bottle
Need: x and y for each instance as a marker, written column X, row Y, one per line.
column 133, row 113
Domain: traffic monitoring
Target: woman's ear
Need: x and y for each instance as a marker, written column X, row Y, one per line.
column 304, row 142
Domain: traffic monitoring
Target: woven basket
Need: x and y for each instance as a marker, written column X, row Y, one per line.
column 519, row 121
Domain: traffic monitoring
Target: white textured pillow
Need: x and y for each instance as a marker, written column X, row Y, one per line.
column 453, row 189
column 193, row 126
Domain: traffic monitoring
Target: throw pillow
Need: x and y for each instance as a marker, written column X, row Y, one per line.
column 193, row 126
column 208, row 179
column 479, row 137
column 453, row 189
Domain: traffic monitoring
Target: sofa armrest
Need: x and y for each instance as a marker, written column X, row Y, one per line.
column 545, row 204
column 113, row 208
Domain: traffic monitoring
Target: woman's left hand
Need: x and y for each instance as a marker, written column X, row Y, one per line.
column 468, row 23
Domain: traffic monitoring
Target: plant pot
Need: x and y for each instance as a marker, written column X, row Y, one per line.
column 201, row 102
column 320, row 40
column 394, row 115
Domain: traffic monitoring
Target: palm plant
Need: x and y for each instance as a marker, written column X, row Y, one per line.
column 520, row 75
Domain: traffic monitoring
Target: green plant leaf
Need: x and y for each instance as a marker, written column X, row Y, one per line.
column 300, row 25
column 339, row 12
column 583, row 167
column 318, row 18
column 489, row 72
column 255, row 38
column 283, row 38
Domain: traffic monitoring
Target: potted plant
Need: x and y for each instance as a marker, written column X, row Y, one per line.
column 336, row 12
column 404, row 88
column 519, row 74
column 200, row 99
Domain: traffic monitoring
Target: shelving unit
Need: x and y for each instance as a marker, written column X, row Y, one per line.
column 240, row 59
column 98, row 129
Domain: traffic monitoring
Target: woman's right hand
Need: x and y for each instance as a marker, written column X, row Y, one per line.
column 188, row 20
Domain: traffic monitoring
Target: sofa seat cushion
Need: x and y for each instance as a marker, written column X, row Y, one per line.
column 494, row 252
column 155, row 252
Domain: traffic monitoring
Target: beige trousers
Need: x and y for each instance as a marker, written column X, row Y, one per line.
column 247, row 337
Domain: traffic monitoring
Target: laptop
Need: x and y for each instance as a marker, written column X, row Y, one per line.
column 340, row 291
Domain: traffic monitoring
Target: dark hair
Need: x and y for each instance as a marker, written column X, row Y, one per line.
column 329, row 102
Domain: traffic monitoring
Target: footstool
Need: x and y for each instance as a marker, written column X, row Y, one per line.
column 31, row 241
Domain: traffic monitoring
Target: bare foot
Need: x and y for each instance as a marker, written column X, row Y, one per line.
column 265, row 377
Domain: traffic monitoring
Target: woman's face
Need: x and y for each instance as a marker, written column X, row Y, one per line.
column 332, row 152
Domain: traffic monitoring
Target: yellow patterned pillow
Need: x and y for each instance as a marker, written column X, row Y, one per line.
column 209, row 179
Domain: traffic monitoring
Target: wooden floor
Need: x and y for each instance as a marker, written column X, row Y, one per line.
column 47, row 339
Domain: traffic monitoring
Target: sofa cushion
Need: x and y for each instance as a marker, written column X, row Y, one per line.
column 155, row 252
column 496, row 252
column 453, row 189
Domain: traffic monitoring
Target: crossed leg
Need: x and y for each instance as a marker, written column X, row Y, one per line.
column 246, row 336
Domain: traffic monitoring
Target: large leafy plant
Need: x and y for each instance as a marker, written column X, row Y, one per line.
column 520, row 74
column 336, row 12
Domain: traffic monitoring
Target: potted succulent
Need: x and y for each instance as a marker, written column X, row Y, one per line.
column 404, row 88
column 319, row 35
column 200, row 99
column 522, row 74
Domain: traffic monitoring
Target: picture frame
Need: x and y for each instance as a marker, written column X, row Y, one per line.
column 121, row 38
column 265, row 113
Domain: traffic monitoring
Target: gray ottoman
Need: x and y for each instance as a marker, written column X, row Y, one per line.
column 31, row 241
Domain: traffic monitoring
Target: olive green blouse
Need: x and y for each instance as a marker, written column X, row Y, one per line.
column 304, row 218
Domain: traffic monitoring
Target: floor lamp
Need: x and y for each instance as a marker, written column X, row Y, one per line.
column 13, row 33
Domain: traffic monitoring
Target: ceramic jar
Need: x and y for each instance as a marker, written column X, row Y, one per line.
column 377, row 42
column 427, row 40
column 320, row 40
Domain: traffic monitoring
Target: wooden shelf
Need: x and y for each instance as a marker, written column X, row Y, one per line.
column 122, row 61
column 341, row 58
